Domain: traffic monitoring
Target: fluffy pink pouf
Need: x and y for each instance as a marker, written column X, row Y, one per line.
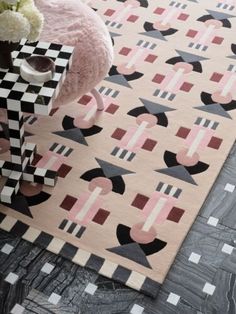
column 70, row 22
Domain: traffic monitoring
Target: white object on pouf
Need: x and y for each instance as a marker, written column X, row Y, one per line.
column 37, row 69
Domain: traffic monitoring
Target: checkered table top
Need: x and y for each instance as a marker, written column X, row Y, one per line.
column 30, row 97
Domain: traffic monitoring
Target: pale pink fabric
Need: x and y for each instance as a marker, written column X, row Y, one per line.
column 73, row 23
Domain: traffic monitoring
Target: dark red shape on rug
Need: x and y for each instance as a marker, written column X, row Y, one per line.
column 140, row 201
column 68, row 202
column 101, row 216
column 175, row 214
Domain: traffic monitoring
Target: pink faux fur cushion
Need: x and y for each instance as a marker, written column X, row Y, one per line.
column 70, row 22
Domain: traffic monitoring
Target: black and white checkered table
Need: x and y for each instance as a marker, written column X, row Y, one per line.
column 18, row 96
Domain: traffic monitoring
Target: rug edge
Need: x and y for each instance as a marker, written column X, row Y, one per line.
column 81, row 257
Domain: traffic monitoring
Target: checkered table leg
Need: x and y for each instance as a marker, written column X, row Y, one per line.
column 22, row 155
column 6, row 168
column 30, row 151
column 11, row 187
column 17, row 140
column 18, row 158
column 40, row 175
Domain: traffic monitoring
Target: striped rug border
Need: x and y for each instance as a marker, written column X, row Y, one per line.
column 79, row 256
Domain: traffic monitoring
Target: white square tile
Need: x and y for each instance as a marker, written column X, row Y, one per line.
column 44, row 45
column 14, row 54
column 41, row 109
column 30, row 146
column 229, row 187
column 47, row 268
column 15, row 175
column 14, row 124
column 213, row 221
column 67, row 48
column 81, row 257
column 17, row 309
column 194, row 258
column 4, row 92
column 11, row 278
column 91, row 288
column 57, row 77
column 55, row 245
column 209, row 288
column 52, row 53
column 135, row 280
column 27, row 49
column 20, row 87
column 54, row 298
column 5, row 172
column 29, row 97
column 8, row 191
column 137, row 309
column 61, row 62
column 8, row 223
column 6, row 194
column 12, row 77
column 28, row 177
column 31, row 234
column 16, row 159
column 7, row 249
column 173, row 298
column 46, row 91
column 40, row 172
column 228, row 249
column 48, row 181
column 14, row 105
column 15, row 142
column 17, row 62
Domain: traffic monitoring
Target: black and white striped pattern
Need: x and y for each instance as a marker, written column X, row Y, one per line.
column 198, row 46
column 146, row 44
column 109, row 92
column 31, row 119
column 61, row 149
column 72, row 228
column 209, row 124
column 164, row 94
column 225, row 6
column 113, row 24
column 168, row 189
column 123, row 153
column 177, row 4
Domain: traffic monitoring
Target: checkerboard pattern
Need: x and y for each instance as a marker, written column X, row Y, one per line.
column 18, row 96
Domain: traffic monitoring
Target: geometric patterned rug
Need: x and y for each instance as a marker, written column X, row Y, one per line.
column 133, row 178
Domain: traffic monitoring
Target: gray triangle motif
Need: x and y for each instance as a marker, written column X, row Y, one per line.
column 219, row 15
column 154, row 34
column 178, row 172
column 114, row 34
column 215, row 109
column 133, row 252
column 155, row 108
column 74, row 135
column 118, row 79
column 111, row 170
column 232, row 57
column 189, row 57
